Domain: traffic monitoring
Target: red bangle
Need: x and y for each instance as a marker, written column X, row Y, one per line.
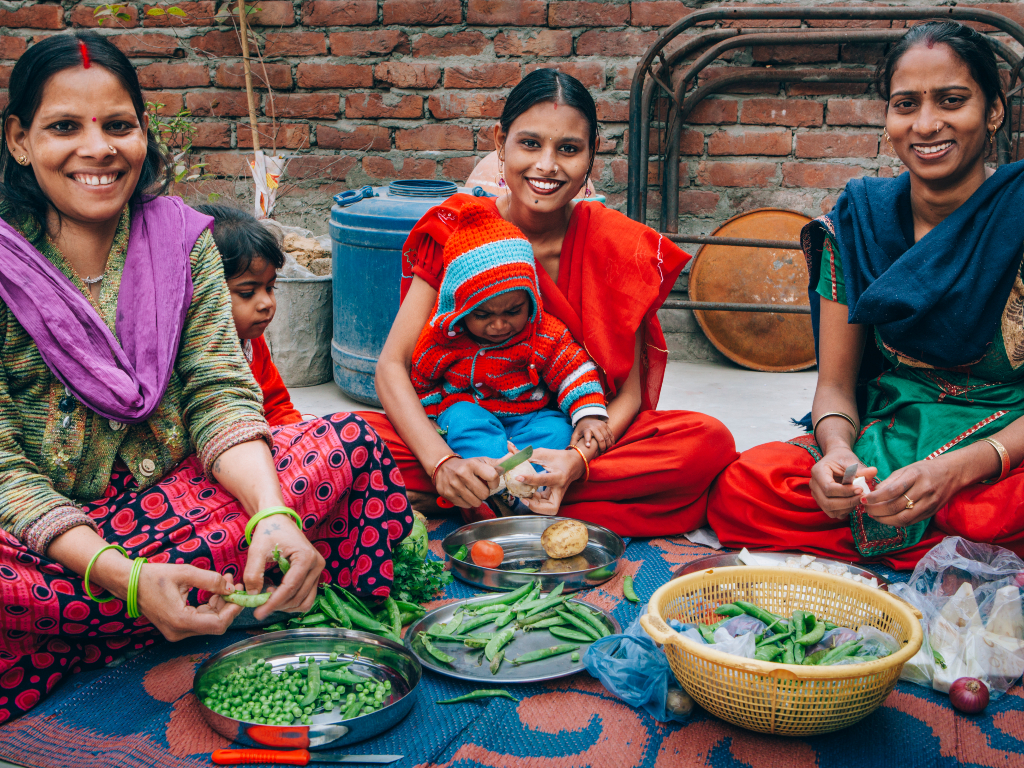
column 433, row 475
column 586, row 464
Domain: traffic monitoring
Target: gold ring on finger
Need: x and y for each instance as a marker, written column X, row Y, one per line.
column 910, row 502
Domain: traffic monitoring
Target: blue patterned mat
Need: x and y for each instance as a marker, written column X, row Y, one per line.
column 142, row 713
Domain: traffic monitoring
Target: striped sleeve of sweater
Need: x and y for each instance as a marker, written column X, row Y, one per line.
column 571, row 374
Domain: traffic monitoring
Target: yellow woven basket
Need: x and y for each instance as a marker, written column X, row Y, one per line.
column 783, row 699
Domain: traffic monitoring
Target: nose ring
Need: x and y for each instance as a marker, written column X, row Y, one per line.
column 112, row 150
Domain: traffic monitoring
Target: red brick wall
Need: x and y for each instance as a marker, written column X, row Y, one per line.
column 371, row 90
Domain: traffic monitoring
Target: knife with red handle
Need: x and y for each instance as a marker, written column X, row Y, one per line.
column 293, row 757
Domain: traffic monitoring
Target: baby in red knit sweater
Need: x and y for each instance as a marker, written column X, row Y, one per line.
column 491, row 367
column 251, row 259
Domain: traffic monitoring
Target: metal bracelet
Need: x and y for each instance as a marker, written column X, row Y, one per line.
column 1004, row 459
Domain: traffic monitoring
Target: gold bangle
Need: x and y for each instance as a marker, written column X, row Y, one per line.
column 840, row 414
column 586, row 464
column 1004, row 459
column 440, row 463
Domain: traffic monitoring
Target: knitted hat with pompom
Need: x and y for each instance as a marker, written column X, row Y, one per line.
column 485, row 256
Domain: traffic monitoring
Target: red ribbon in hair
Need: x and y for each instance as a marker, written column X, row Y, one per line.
column 85, row 53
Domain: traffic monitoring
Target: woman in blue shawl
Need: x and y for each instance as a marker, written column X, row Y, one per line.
column 928, row 265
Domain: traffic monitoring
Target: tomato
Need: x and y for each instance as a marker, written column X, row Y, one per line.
column 487, row 554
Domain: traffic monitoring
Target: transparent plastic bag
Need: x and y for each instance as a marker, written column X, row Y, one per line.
column 634, row 668
column 969, row 596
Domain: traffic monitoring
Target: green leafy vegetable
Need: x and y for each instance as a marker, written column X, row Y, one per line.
column 417, row 579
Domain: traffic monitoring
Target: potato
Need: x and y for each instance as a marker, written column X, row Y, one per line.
column 565, row 564
column 520, row 490
column 564, row 539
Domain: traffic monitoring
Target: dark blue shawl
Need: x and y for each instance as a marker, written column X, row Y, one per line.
column 939, row 300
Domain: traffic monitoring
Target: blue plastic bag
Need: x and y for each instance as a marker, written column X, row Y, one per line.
column 635, row 669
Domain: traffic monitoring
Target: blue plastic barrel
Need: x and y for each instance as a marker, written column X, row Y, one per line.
column 368, row 228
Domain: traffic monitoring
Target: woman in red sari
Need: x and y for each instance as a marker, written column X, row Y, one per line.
column 602, row 275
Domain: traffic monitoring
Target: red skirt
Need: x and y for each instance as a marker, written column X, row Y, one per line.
column 653, row 482
column 335, row 472
column 764, row 500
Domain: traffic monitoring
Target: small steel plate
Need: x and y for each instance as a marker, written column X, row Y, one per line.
column 468, row 664
column 373, row 656
column 728, row 559
column 762, row 341
column 520, row 538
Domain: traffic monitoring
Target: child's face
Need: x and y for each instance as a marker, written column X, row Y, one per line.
column 499, row 319
column 252, row 299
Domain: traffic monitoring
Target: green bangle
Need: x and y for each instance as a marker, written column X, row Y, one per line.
column 92, row 562
column 133, row 587
column 267, row 513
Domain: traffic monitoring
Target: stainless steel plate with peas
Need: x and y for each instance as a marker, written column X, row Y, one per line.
column 728, row 559
column 371, row 656
column 471, row 664
column 519, row 537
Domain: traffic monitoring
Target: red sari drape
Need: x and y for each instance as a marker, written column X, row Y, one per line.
column 613, row 275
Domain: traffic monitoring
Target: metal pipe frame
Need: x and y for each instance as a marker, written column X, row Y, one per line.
column 640, row 97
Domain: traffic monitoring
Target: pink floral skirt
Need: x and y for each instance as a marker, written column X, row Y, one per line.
column 335, row 472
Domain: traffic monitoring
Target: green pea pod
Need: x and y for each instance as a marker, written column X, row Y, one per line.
column 798, row 622
column 334, row 602
column 394, row 614
column 481, row 694
column 408, row 607
column 496, row 662
column 310, row 620
column 466, row 627
column 247, row 601
column 496, row 608
column 840, row 652
column 352, row 710
column 335, row 616
column 474, row 642
column 544, row 653
column 504, row 618
column 759, row 613
column 706, row 633
column 729, row 610
column 768, row 653
column 788, row 653
column 409, row 618
column 829, row 626
column 435, row 630
column 628, row 591
column 580, row 624
column 564, row 633
column 525, row 621
column 554, row 596
column 437, row 654
column 553, row 621
column 354, row 601
column 460, row 553
column 798, row 653
column 814, row 635
column 340, row 676
column 585, row 614
column 281, row 560
column 362, row 620
column 276, row 627
column 504, row 599
column 498, row 642
column 313, row 681
column 815, row 657
column 325, row 666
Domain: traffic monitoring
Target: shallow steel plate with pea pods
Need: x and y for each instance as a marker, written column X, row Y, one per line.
column 372, row 656
column 519, row 537
column 471, row 664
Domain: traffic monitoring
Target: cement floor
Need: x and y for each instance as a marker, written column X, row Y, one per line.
column 756, row 406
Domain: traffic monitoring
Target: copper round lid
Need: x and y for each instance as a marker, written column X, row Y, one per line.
column 762, row 341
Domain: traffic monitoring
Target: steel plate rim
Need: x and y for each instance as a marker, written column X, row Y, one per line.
column 534, row 577
column 435, row 667
column 712, row 561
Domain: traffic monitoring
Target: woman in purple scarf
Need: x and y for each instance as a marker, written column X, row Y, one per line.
column 128, row 415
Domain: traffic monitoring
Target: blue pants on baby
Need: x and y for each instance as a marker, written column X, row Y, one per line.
column 475, row 431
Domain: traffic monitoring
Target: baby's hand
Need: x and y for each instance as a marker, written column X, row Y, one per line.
column 593, row 428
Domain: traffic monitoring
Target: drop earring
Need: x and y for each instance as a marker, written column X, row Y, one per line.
column 888, row 141
column 501, row 174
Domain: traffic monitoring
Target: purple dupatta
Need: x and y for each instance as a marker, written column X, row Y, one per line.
column 125, row 381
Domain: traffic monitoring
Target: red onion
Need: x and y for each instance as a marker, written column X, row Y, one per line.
column 969, row 695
